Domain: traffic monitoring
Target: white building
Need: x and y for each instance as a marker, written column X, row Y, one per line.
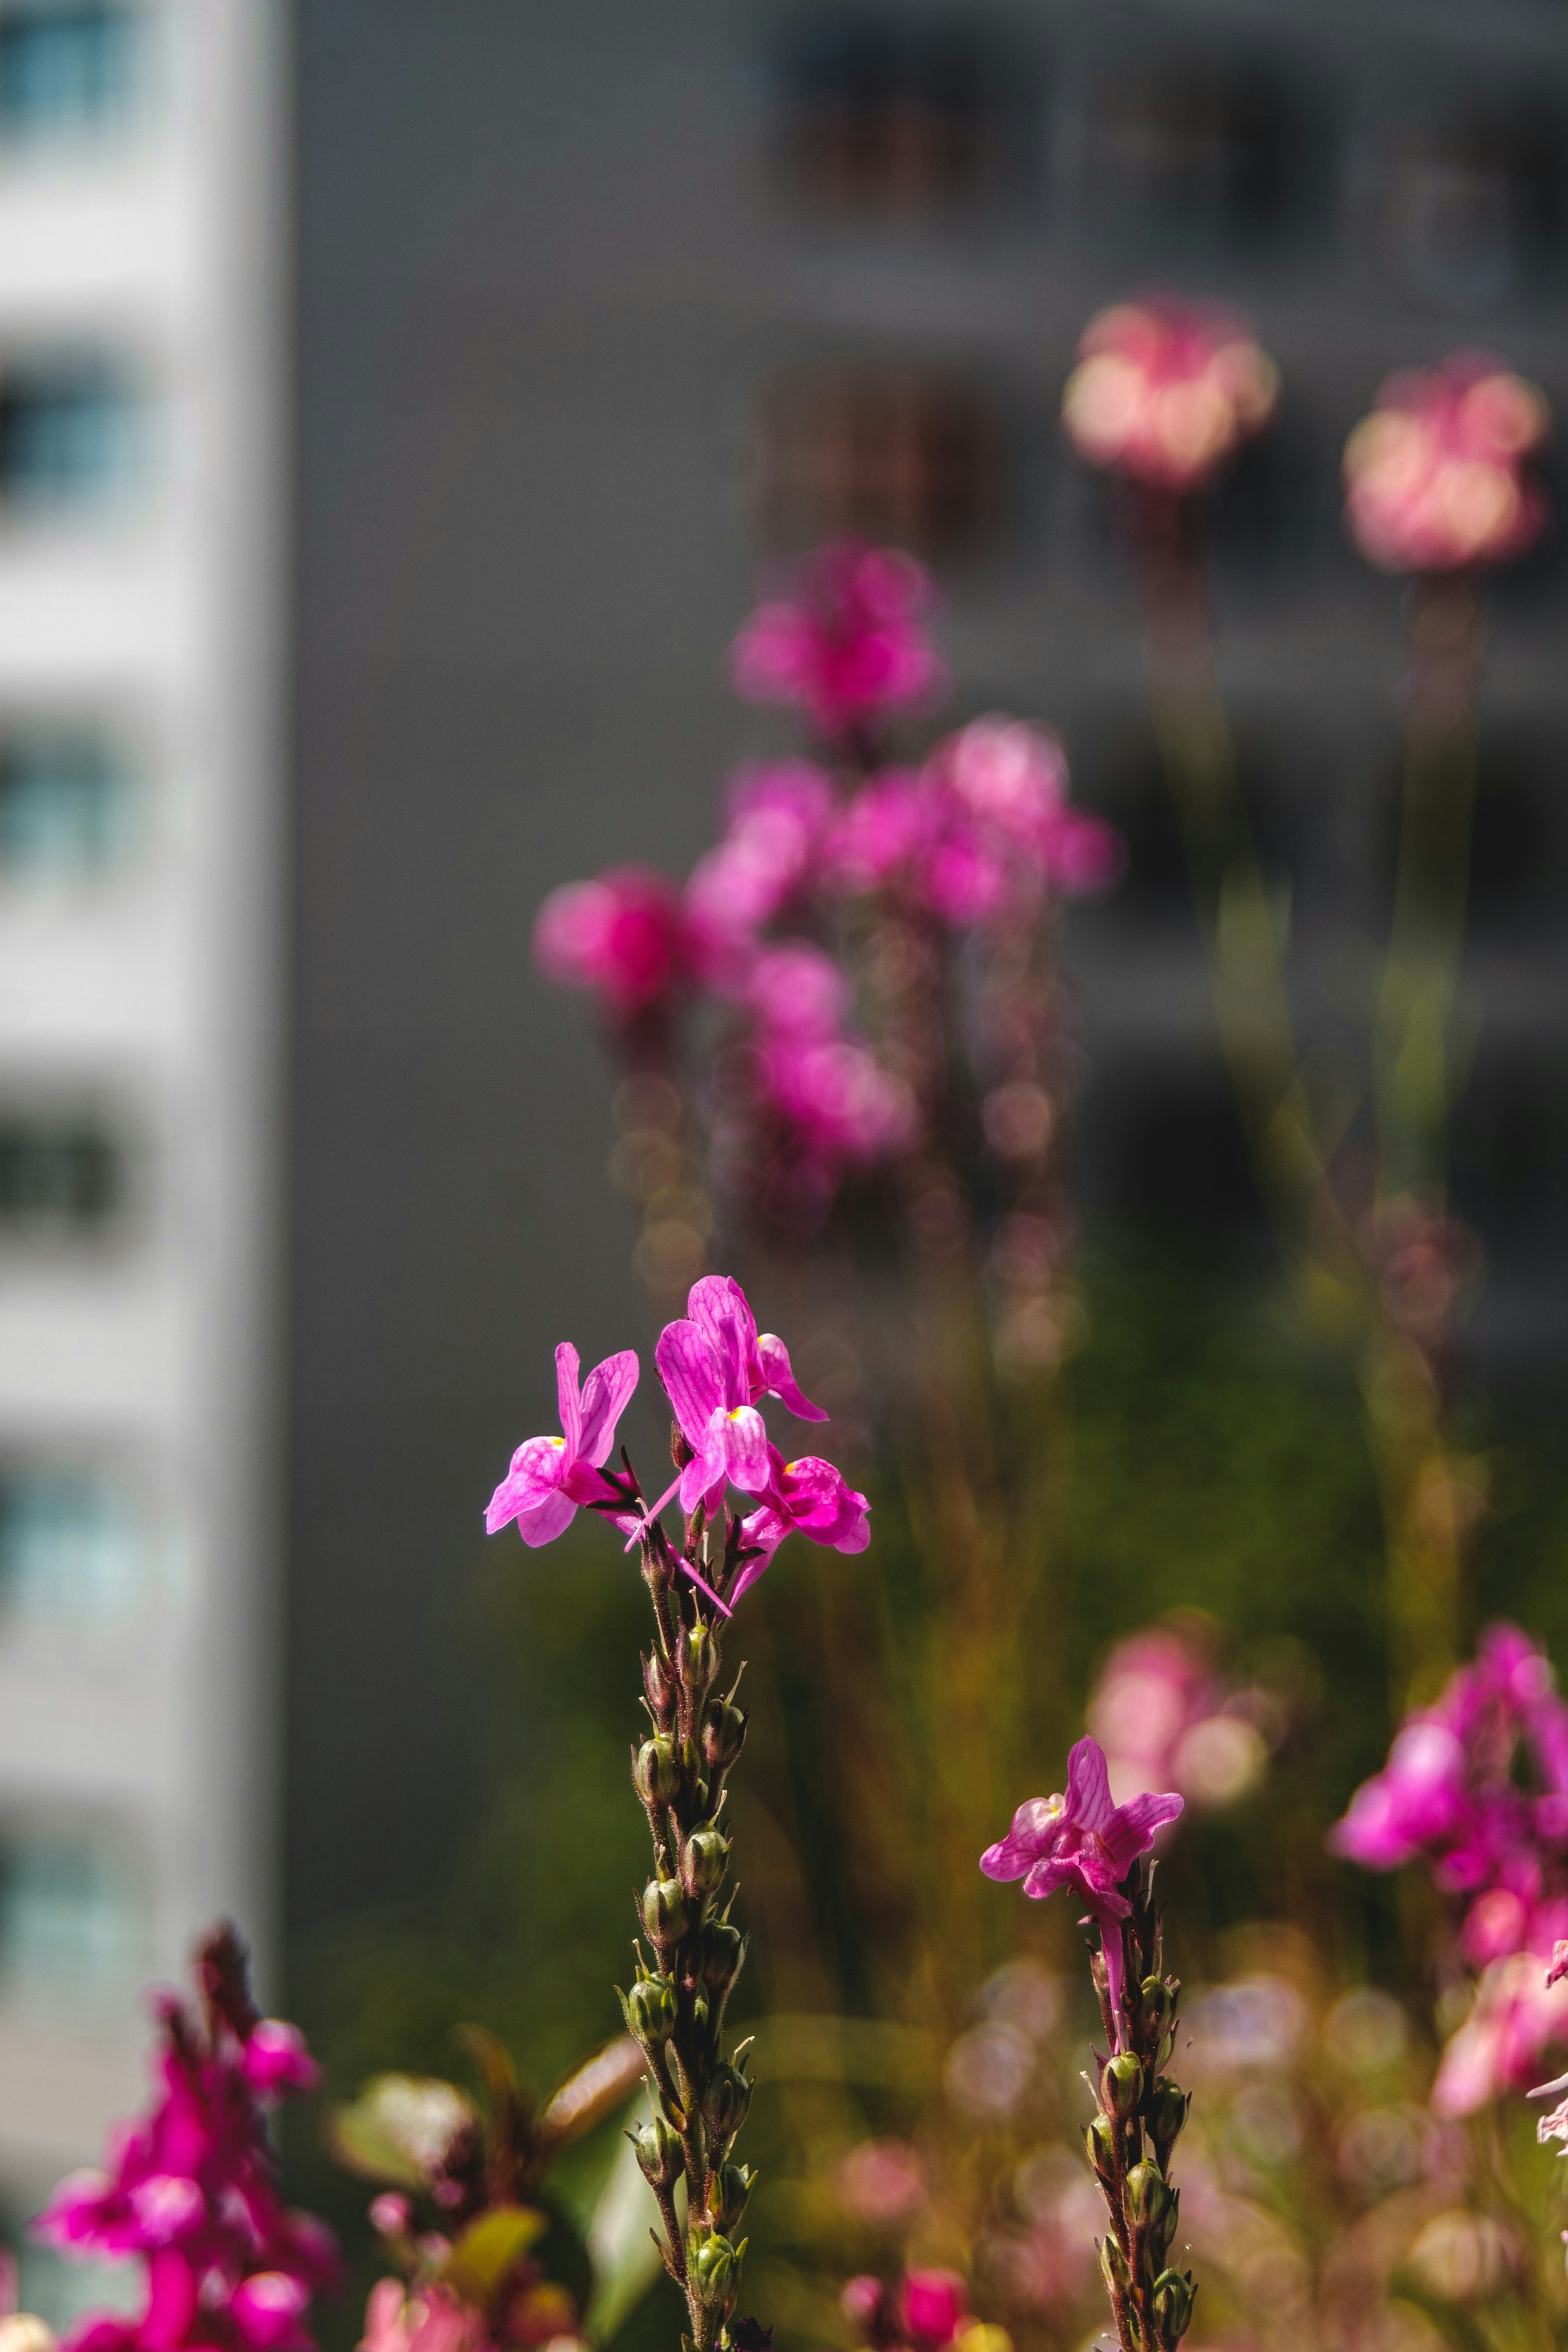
column 142, row 173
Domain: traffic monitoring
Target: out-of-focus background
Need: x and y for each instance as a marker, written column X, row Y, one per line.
column 396, row 403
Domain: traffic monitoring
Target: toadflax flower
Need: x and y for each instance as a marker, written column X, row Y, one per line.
column 551, row 1477
column 191, row 2189
column 623, row 935
column 1164, row 392
column 848, row 647
column 1435, row 477
column 715, row 1365
column 1083, row 1842
column 809, row 1496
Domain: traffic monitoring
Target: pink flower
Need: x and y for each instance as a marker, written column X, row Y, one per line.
column 432, row 2321
column 191, row 2187
column 720, row 1307
column 1435, row 477
column 623, row 935
column 778, row 816
column 882, row 2182
column 551, row 1477
column 810, row 1495
column 1165, row 1719
column 847, row 647
column 797, row 991
column 845, row 1107
column 873, row 838
column 935, row 2306
column 1165, row 391
column 714, row 1365
column 1083, row 1842
column 1498, row 2047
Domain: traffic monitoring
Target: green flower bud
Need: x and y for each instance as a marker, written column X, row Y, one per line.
column 1168, row 2108
column 1156, row 2001
column 1113, row 2262
column 657, row 1771
column 710, row 2260
column 650, row 2010
column 699, row 1656
column 703, row 1863
column 721, row 1953
column 655, row 1682
column 1167, row 2043
column 664, row 1909
column 1172, row 2305
column 723, row 1734
column 1102, row 2147
column 728, row 2194
column 659, row 2153
column 1122, row 2085
column 1147, row 2195
column 729, row 2096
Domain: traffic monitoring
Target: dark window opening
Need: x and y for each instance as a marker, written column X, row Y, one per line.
column 1195, row 150
column 1473, row 203
column 69, row 432
column 65, row 800
column 896, row 456
column 62, row 1175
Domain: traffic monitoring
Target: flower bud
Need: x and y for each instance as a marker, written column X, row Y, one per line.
column 699, row 1656
column 650, row 2010
column 1168, row 2108
column 1147, row 2195
column 723, row 1734
column 664, row 1909
column 659, row 2153
column 1156, row 2001
column 657, row 1771
column 1172, row 2305
column 711, row 2262
column 729, row 2096
column 1122, row 2085
column 703, row 1861
column 721, row 1953
column 1102, row 2147
column 1113, row 2262
column 655, row 1683
column 727, row 2192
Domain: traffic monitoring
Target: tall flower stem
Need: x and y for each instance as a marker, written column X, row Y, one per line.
column 676, row 2006
column 1132, row 2137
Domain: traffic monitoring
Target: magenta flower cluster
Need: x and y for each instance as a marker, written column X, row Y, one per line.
column 979, row 837
column 191, row 2189
column 716, row 1368
column 1084, row 1844
column 1477, row 1787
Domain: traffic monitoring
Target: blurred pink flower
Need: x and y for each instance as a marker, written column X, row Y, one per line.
column 935, row 2306
column 881, row 2182
column 433, row 2321
column 1498, row 2048
column 623, row 935
column 1164, row 392
column 844, row 1106
column 848, row 647
column 797, row 991
column 777, row 818
column 873, row 837
column 1166, row 1720
column 1435, row 477
column 1084, row 1843
column 551, row 1477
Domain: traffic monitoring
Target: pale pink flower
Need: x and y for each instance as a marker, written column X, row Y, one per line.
column 1435, row 477
column 1165, row 391
column 1498, row 2048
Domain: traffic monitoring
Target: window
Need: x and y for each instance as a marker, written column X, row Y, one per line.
column 1473, row 203
column 65, row 802
column 883, row 114
column 1193, row 152
column 73, row 1543
column 889, row 454
column 69, row 1913
column 63, row 1175
column 69, row 433
column 65, row 68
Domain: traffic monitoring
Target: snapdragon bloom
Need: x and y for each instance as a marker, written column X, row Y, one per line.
column 777, row 818
column 715, row 1365
column 551, row 1477
column 623, row 935
column 192, row 2187
column 811, row 1495
column 1164, row 392
column 1435, row 477
column 1498, row 2048
column 1085, row 1843
column 848, row 647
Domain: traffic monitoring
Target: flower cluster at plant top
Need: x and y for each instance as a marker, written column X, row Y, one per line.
column 1435, row 476
column 832, row 893
column 1166, row 1719
column 716, row 1367
column 1453, row 1793
column 927, row 2311
column 192, row 2190
column 1164, row 392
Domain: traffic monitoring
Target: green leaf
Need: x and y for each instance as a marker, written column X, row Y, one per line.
column 490, row 2248
column 592, row 2091
column 625, row 2258
column 399, row 2128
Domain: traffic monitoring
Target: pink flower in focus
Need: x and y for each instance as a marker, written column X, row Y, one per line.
column 1085, row 1843
column 849, row 646
column 551, row 1477
column 714, row 1365
column 623, row 935
column 1165, row 391
column 721, row 1308
column 1435, row 477
column 809, row 1496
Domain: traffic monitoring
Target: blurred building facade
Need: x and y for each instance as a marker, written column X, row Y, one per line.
column 141, row 180
column 599, row 307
